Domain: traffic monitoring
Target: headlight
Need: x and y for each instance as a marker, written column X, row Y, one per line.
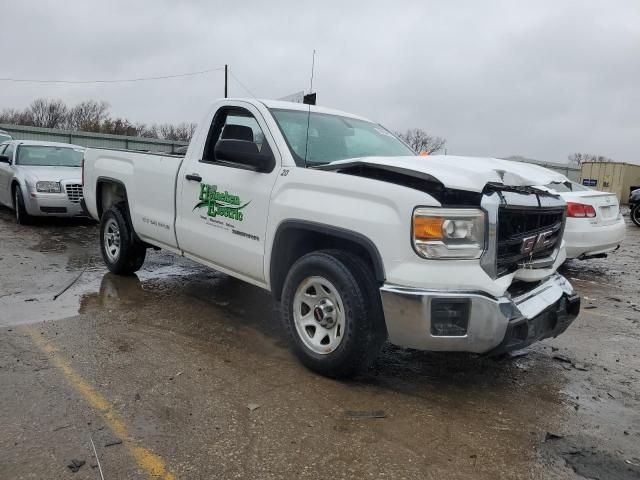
column 49, row 187
column 442, row 233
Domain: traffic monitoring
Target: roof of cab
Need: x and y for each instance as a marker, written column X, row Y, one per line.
column 280, row 104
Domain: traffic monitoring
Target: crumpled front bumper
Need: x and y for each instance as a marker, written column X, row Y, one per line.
column 495, row 325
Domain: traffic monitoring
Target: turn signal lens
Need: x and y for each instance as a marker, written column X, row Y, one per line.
column 580, row 210
column 445, row 233
column 427, row 228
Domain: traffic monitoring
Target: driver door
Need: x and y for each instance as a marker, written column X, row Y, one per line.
column 223, row 207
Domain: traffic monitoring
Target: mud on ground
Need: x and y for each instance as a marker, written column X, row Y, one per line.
column 182, row 372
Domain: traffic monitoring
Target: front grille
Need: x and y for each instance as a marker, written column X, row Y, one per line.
column 516, row 225
column 74, row 192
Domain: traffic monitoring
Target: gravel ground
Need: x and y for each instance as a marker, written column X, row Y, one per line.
column 182, row 372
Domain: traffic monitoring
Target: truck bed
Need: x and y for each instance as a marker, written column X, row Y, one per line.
column 150, row 182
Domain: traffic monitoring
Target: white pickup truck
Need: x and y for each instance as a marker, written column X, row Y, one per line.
column 359, row 238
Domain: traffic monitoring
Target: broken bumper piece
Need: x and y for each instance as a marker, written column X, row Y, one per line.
column 477, row 322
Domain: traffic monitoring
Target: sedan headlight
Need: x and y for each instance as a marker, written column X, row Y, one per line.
column 48, row 187
column 441, row 233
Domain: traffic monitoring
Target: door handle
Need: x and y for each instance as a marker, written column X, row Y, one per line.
column 193, row 177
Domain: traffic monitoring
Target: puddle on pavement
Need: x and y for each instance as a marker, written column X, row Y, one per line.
column 109, row 289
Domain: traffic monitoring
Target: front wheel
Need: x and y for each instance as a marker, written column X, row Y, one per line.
column 122, row 253
column 332, row 313
column 22, row 217
column 635, row 215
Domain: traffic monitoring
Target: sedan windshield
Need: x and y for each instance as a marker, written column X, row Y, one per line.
column 48, row 156
column 333, row 137
column 4, row 138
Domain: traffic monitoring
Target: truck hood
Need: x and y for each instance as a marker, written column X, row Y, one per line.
column 461, row 173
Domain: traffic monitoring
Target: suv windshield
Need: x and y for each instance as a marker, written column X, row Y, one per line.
column 40, row 155
column 332, row 137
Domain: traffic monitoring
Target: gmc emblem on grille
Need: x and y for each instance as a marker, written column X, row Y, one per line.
column 536, row 242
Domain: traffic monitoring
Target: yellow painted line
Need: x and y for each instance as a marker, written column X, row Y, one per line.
column 146, row 459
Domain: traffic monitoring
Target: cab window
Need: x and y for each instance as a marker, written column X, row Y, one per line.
column 241, row 127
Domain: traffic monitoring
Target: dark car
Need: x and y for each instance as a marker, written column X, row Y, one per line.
column 634, row 205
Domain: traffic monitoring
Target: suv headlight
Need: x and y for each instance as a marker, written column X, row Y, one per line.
column 48, row 187
column 441, row 233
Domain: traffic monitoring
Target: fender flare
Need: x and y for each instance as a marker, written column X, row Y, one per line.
column 276, row 276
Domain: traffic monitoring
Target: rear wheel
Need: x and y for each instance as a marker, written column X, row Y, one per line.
column 122, row 253
column 22, row 217
column 332, row 312
column 635, row 215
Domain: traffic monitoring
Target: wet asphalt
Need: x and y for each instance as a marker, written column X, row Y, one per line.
column 183, row 372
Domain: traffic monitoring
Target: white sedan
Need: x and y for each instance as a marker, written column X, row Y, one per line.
column 595, row 225
column 41, row 178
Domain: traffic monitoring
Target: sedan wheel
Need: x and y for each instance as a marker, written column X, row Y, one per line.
column 635, row 215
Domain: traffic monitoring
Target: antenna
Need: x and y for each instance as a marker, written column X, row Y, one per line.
column 310, row 100
column 313, row 64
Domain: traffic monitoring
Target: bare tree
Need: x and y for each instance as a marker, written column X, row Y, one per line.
column 146, row 131
column 12, row 116
column 88, row 116
column 118, row 126
column 181, row 132
column 91, row 116
column 420, row 141
column 579, row 158
column 47, row 113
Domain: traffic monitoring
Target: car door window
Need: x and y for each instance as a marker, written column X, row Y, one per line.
column 2, row 147
column 234, row 123
column 9, row 152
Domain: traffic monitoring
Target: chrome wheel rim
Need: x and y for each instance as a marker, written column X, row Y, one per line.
column 318, row 314
column 112, row 240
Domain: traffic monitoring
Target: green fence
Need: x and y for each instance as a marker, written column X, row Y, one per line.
column 89, row 139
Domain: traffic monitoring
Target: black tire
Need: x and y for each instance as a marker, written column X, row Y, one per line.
column 635, row 215
column 129, row 256
column 22, row 217
column 364, row 328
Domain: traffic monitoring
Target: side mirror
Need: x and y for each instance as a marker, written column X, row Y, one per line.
column 245, row 153
column 5, row 159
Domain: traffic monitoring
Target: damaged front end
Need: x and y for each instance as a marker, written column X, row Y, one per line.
column 523, row 246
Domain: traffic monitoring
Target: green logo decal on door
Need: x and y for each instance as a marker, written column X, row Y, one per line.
column 223, row 204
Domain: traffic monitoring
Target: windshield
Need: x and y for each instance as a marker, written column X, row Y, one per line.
column 40, row 155
column 4, row 138
column 567, row 187
column 332, row 137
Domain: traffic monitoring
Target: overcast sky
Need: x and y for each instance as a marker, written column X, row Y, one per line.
column 540, row 79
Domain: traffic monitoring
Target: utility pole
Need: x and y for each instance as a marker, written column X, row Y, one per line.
column 226, row 77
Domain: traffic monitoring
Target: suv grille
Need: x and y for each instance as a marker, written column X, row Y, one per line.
column 74, row 192
column 517, row 224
